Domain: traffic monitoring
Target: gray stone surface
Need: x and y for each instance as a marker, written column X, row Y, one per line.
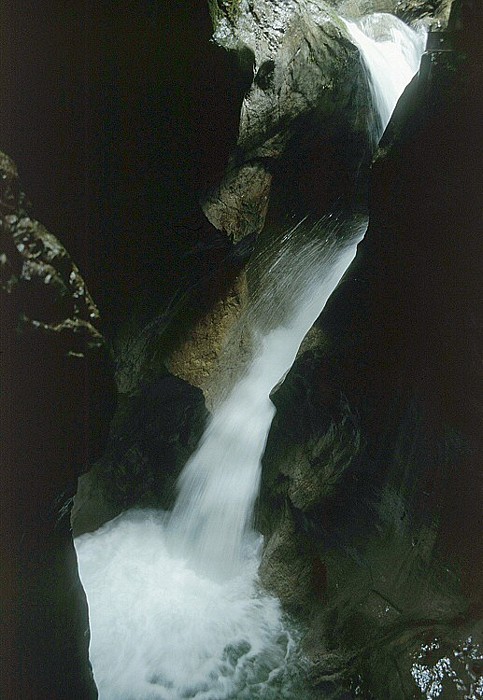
column 304, row 70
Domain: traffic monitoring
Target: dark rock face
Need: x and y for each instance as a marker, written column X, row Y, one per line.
column 383, row 423
column 155, row 241
column 302, row 146
column 57, row 397
column 152, row 436
column 299, row 123
column 118, row 116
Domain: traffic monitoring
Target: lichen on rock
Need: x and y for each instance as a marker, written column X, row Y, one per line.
column 224, row 9
column 37, row 274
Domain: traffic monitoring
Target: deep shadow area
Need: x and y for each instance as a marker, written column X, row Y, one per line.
column 373, row 465
column 111, row 112
column 118, row 116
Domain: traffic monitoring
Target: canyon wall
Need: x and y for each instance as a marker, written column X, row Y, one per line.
column 58, row 395
column 370, row 496
column 372, row 465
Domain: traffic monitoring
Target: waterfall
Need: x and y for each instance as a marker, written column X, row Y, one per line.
column 175, row 607
column 219, row 485
column 390, row 52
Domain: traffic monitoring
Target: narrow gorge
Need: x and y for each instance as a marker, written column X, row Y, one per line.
column 275, row 415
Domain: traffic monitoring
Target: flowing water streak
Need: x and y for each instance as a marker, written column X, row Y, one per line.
column 175, row 608
column 219, row 485
column 391, row 52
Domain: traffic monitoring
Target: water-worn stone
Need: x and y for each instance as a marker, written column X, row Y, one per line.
column 197, row 357
column 303, row 96
column 57, row 397
column 287, row 566
column 438, row 11
column 299, row 121
column 302, row 120
column 433, row 11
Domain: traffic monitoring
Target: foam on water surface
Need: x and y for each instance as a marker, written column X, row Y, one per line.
column 161, row 630
column 175, row 607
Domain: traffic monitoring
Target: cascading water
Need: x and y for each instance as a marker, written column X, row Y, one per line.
column 175, row 608
column 219, row 485
column 390, row 51
column 176, row 594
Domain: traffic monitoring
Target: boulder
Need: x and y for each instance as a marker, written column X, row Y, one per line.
column 305, row 76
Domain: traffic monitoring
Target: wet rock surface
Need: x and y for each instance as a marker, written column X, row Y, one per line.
column 301, row 114
column 57, row 398
column 392, row 534
column 302, row 144
column 299, row 124
column 305, row 75
column 153, row 434
column 376, row 463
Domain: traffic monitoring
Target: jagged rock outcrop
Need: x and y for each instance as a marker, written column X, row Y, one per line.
column 57, row 397
column 299, row 122
column 383, row 421
column 305, row 76
column 437, row 10
column 153, row 434
column 300, row 115
column 302, row 141
column 49, row 323
column 432, row 10
column 301, row 73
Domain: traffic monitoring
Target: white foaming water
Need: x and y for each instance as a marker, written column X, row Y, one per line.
column 175, row 607
column 161, row 631
column 391, row 52
column 219, row 485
